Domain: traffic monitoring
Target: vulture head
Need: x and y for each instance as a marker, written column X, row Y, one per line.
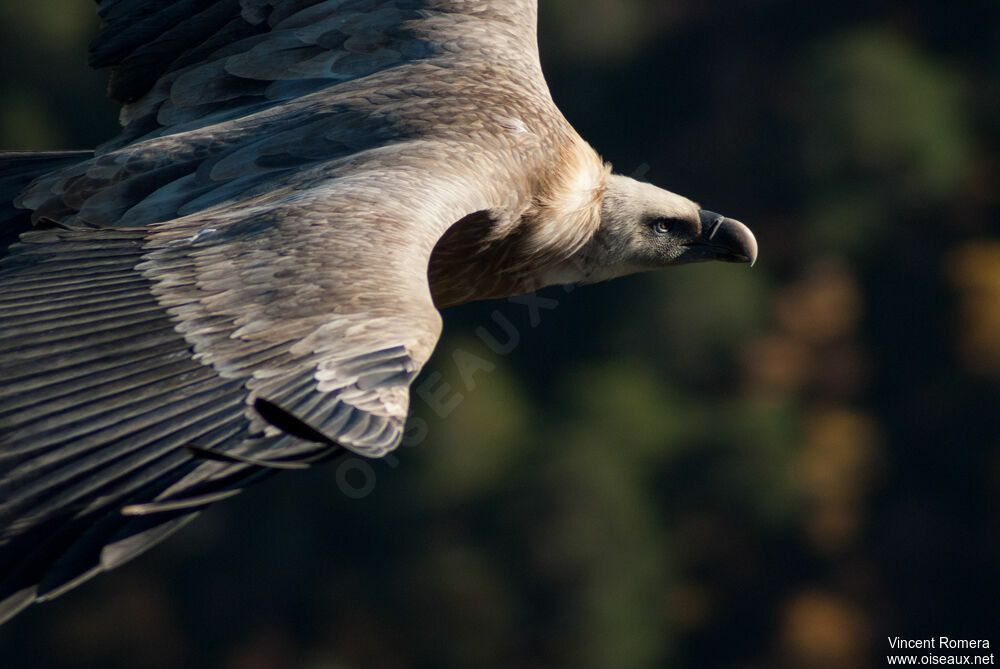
column 643, row 227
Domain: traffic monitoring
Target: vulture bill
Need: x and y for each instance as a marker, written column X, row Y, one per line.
column 247, row 278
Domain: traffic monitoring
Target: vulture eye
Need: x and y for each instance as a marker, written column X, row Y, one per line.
column 662, row 226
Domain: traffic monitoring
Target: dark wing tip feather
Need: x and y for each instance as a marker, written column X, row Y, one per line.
column 288, row 423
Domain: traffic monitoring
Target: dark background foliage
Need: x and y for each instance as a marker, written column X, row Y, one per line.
column 706, row 467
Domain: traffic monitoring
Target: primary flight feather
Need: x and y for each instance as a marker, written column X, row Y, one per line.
column 247, row 278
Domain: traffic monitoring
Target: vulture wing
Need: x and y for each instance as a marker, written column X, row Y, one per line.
column 246, row 265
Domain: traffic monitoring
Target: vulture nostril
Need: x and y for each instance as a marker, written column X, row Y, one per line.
column 715, row 226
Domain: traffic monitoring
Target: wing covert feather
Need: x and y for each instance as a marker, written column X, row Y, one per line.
column 174, row 63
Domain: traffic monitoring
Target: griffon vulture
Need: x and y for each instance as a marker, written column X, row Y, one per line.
column 248, row 277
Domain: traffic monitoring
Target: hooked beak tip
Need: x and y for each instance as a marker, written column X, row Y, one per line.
column 728, row 239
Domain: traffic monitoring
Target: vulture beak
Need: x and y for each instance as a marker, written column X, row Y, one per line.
column 721, row 238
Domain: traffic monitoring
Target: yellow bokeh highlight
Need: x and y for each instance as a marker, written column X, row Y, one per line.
column 974, row 270
column 835, row 469
column 821, row 630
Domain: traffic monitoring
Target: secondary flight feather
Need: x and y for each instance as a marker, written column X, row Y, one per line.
column 248, row 277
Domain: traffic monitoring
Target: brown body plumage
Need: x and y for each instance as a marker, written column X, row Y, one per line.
column 247, row 277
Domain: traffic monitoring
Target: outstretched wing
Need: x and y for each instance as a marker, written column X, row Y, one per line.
column 122, row 348
column 247, row 264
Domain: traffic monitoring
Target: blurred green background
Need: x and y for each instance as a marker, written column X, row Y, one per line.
column 710, row 466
